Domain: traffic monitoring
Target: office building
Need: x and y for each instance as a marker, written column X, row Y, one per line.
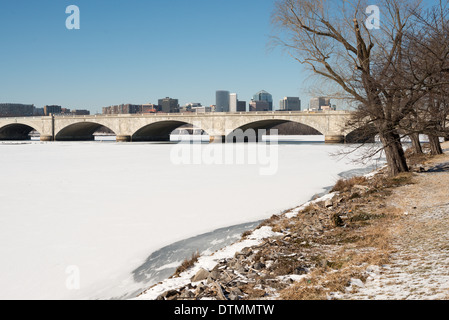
column 16, row 110
column 52, row 110
column 317, row 104
column 241, row 106
column 80, row 112
column 233, row 102
column 149, row 108
column 264, row 96
column 123, row 109
column 290, row 104
column 201, row 109
column 169, row 105
column 222, row 101
column 38, row 112
column 259, row 106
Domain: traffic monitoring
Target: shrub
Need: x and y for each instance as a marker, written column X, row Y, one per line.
column 187, row 263
column 345, row 185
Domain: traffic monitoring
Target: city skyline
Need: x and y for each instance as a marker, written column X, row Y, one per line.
column 225, row 101
column 137, row 52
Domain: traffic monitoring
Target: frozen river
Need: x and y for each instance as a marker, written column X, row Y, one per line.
column 89, row 220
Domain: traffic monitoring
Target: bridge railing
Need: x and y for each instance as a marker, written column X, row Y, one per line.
column 160, row 114
column 180, row 114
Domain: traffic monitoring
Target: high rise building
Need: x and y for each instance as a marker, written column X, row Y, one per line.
column 169, row 105
column 222, row 101
column 52, row 110
column 317, row 104
column 241, row 106
column 290, row 104
column 264, row 96
column 233, row 102
column 259, row 106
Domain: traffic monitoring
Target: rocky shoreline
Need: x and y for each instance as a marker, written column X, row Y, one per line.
column 325, row 249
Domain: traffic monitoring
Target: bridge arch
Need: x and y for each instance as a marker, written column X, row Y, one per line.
column 80, row 131
column 159, row 131
column 270, row 124
column 366, row 134
column 16, row 131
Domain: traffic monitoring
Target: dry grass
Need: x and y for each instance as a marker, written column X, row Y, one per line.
column 187, row 263
column 345, row 185
column 364, row 242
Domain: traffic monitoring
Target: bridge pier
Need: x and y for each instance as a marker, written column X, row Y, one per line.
column 217, row 139
column 123, row 138
column 46, row 138
column 334, row 139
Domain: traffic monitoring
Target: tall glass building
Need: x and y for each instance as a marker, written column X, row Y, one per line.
column 264, row 96
column 222, row 101
column 290, row 104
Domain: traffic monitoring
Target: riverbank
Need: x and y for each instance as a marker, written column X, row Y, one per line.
column 372, row 237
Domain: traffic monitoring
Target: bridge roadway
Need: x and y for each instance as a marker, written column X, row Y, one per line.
column 157, row 127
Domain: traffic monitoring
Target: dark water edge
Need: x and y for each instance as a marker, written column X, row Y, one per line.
column 153, row 270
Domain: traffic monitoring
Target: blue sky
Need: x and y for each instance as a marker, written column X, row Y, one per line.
column 137, row 51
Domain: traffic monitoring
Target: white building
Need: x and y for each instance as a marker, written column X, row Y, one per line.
column 233, row 102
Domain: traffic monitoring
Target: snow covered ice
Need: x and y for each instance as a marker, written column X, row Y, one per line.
column 76, row 219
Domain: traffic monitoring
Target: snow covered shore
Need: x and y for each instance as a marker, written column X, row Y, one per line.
column 211, row 261
column 376, row 237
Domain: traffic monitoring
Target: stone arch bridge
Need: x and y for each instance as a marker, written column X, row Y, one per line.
column 158, row 127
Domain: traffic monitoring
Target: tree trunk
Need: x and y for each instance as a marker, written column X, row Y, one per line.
column 394, row 152
column 435, row 145
column 417, row 149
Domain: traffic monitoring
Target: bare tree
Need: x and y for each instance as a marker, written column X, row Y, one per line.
column 428, row 55
column 367, row 66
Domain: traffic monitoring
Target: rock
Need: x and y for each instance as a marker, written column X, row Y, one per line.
column 339, row 199
column 199, row 290
column 235, row 294
column 215, row 275
column 187, row 294
column 238, row 267
column 168, row 295
column 329, row 203
column 202, row 274
column 220, row 293
column 300, row 270
column 258, row 266
column 246, row 251
column 357, row 282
